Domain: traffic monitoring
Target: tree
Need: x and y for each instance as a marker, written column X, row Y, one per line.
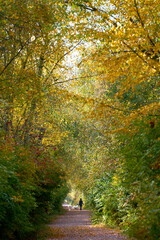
column 101, row 120
column 127, row 46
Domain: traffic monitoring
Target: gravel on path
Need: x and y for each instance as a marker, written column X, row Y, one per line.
column 76, row 225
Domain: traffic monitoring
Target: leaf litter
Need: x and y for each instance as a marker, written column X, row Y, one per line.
column 76, row 225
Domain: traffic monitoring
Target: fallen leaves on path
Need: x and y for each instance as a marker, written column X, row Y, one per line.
column 76, row 225
column 84, row 232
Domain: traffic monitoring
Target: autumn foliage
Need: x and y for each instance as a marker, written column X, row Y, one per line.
column 79, row 102
column 33, row 185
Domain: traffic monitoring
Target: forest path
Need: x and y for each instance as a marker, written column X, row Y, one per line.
column 76, row 225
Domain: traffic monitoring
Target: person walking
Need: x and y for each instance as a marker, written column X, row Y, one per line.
column 80, row 203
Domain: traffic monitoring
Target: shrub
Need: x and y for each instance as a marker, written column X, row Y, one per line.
column 32, row 187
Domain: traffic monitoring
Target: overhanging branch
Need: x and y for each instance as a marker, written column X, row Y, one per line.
column 76, row 78
column 13, row 58
column 55, row 65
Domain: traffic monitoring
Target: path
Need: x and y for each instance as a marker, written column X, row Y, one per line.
column 76, row 225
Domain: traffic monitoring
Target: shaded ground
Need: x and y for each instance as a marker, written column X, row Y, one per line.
column 76, row 225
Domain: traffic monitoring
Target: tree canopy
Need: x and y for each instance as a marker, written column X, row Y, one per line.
column 80, row 108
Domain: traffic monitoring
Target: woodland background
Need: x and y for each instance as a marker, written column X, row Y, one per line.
column 80, row 109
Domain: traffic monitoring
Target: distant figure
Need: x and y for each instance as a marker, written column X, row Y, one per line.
column 80, row 203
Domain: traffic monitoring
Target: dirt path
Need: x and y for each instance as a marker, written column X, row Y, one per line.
column 76, row 225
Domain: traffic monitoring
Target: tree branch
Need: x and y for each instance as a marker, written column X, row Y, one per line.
column 60, row 60
column 13, row 58
column 93, row 9
column 137, row 54
column 71, row 79
column 142, row 23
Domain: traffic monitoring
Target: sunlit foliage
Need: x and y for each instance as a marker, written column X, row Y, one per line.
column 93, row 120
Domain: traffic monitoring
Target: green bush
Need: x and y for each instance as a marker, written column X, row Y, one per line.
column 32, row 187
column 128, row 194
